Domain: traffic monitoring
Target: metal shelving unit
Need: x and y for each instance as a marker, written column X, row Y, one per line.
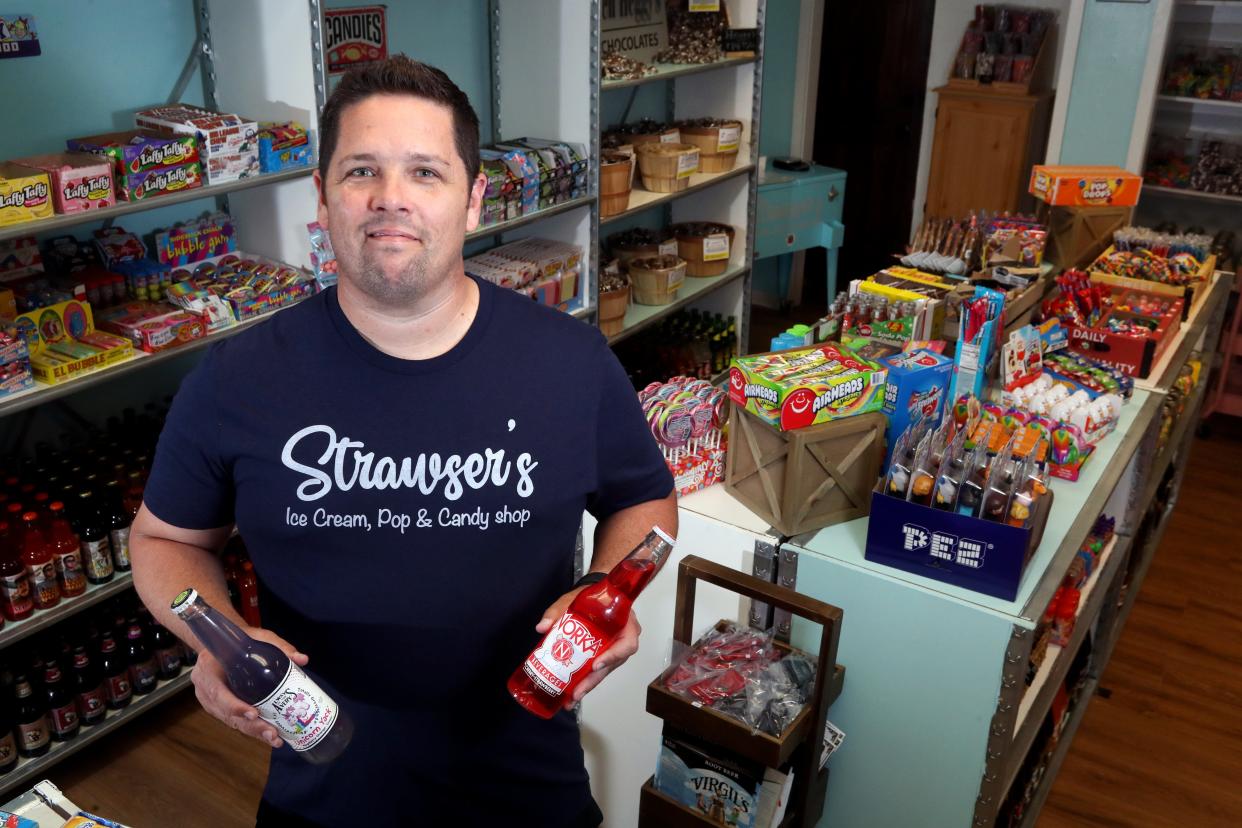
column 638, row 317
column 641, row 200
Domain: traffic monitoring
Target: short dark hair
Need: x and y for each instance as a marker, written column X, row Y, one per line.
column 400, row 75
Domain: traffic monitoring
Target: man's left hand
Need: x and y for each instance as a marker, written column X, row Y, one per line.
column 625, row 645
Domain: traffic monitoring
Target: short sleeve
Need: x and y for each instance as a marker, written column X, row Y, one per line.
column 630, row 468
column 191, row 485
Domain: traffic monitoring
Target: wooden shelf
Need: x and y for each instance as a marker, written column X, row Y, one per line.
column 1195, row 194
column 124, row 208
column 638, row 317
column 1206, row 103
column 668, row 71
column 37, row 768
column 645, row 199
column 15, row 631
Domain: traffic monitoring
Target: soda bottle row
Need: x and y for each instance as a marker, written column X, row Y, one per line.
column 242, row 582
column 689, row 343
column 61, row 683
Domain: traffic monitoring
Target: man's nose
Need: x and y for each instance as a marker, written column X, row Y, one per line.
column 391, row 195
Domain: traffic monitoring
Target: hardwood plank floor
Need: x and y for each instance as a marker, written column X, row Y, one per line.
column 1164, row 750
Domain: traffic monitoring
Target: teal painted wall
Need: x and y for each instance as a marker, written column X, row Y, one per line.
column 1108, row 72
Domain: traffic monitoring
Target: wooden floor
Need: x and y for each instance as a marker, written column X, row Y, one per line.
column 1165, row 749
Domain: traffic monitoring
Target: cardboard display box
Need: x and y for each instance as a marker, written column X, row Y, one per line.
column 1085, row 186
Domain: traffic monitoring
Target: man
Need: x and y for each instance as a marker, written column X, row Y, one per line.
column 407, row 457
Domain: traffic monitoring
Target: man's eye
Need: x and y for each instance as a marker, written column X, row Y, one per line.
column 358, row 172
column 423, row 172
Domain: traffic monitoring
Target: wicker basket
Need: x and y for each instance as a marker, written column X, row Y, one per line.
column 655, row 280
column 700, row 244
column 667, row 168
column 718, row 144
column 616, row 171
column 668, row 136
column 612, row 307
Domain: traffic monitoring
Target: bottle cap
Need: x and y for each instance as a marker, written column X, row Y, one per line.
column 663, row 535
column 182, row 602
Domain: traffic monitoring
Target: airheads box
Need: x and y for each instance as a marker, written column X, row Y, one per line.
column 918, row 384
column 805, row 387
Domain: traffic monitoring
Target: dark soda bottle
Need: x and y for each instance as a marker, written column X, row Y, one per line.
column 118, row 521
column 61, row 707
column 33, row 732
column 96, row 548
column 142, row 672
column 248, row 592
column 66, row 553
column 8, row 745
column 167, row 652
column 15, row 600
column 117, row 688
column 596, row 617
column 260, row 674
column 91, row 699
column 37, row 555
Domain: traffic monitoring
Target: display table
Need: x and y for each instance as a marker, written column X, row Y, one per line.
column 935, row 710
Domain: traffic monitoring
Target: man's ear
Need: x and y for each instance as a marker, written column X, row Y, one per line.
column 474, row 207
column 321, row 201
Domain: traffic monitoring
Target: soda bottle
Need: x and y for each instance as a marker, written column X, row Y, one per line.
column 167, row 652
column 260, row 674
column 118, row 521
column 88, row 685
column 248, row 591
column 96, row 549
column 66, row 553
column 596, row 617
column 31, row 719
column 37, row 556
column 117, row 688
column 8, row 745
column 15, row 600
column 61, row 706
column 142, row 672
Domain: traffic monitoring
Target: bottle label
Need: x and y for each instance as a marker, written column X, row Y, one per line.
column 16, row 593
column 8, row 750
column 302, row 713
column 120, row 547
column 44, row 587
column 69, row 568
column 91, row 704
column 169, row 661
column 565, row 650
column 98, row 558
column 34, row 735
column 64, row 719
column 119, row 688
column 143, row 674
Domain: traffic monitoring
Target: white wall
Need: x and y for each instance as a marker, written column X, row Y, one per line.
column 947, row 30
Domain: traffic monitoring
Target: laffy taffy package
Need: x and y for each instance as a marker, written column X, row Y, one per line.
column 805, row 387
column 25, row 194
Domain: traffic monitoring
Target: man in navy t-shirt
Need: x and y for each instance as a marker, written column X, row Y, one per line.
column 408, row 456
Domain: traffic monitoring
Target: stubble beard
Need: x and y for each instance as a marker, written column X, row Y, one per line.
column 402, row 288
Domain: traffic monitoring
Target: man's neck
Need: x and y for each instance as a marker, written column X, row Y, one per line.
column 424, row 330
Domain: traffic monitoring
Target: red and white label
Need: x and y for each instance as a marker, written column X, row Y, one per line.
column 65, row 719
column 568, row 647
column 119, row 688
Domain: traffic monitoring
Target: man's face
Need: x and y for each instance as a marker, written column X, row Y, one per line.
column 397, row 199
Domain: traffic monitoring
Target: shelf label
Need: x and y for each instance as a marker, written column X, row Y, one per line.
column 728, row 139
column 687, row 164
column 636, row 30
column 671, row 137
column 715, row 247
column 668, row 248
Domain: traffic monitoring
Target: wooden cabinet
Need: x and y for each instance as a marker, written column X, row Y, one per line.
column 985, row 144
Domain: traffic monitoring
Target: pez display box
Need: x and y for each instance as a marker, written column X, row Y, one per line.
column 800, row 388
column 917, row 386
column 80, row 181
column 25, row 194
column 1089, row 186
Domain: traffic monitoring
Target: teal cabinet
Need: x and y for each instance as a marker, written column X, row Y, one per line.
column 798, row 211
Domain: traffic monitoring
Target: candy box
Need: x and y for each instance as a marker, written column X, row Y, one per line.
column 283, row 147
column 526, row 170
column 706, row 779
column 917, row 387
column 153, row 326
column 1133, row 355
column 154, row 183
column 502, row 198
column 25, row 194
column 227, row 143
column 20, row 257
column 799, row 388
column 64, row 344
column 80, row 181
column 572, row 159
column 196, row 241
column 1191, row 293
column 134, row 151
column 1085, row 185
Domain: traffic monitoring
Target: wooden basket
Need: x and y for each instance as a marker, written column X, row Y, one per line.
column 701, row 249
column 616, row 171
column 801, row 741
column 715, row 155
column 625, row 253
column 672, row 135
column 656, row 285
column 666, row 168
column 612, row 307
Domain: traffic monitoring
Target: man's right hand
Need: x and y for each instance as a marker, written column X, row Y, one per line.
column 214, row 694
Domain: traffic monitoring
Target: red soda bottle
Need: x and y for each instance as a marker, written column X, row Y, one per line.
column 15, row 600
column 596, row 617
column 44, row 588
column 66, row 553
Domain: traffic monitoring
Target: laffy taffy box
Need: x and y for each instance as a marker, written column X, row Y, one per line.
column 80, row 181
column 25, row 194
column 807, row 386
column 135, row 153
column 64, row 344
column 155, row 183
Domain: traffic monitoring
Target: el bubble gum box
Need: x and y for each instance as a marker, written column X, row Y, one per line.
column 807, row 386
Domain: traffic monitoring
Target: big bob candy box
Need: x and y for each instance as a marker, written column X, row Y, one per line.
column 806, row 386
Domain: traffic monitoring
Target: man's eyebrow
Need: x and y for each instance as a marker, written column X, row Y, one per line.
column 412, row 157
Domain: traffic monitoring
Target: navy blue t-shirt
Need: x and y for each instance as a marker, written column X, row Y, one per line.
column 409, row 522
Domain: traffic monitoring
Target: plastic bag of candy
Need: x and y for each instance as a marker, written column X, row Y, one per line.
column 323, row 259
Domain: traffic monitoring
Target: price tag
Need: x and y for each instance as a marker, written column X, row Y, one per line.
column 728, row 139
column 833, row 737
column 687, row 164
column 704, row 5
column 715, row 248
column 668, row 248
column 671, row 137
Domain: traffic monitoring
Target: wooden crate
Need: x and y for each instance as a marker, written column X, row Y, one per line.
column 1078, row 235
column 805, row 479
column 802, row 741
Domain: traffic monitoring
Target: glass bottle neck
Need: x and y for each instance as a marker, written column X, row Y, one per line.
column 220, row 636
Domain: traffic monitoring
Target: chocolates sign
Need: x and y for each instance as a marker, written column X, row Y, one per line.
column 355, row 37
column 637, row 29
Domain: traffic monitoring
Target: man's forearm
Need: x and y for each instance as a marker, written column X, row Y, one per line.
column 621, row 531
column 162, row 568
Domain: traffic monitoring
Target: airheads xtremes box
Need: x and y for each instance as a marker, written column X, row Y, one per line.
column 806, row 386
column 918, row 384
